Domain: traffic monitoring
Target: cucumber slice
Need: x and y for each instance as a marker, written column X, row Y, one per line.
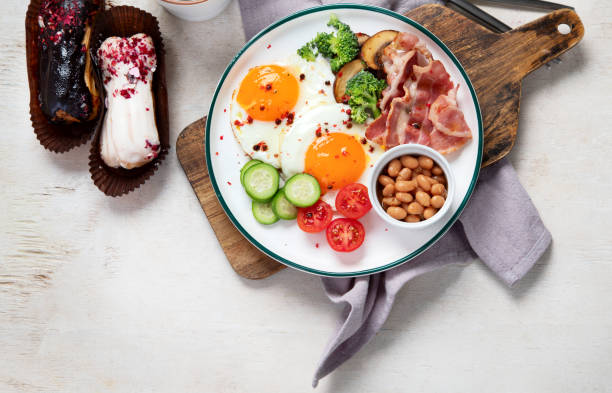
column 245, row 167
column 261, row 182
column 302, row 190
column 263, row 213
column 282, row 207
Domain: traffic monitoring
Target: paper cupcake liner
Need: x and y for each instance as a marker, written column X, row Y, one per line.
column 58, row 138
column 125, row 21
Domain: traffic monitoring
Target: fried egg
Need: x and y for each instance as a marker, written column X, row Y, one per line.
column 271, row 98
column 325, row 144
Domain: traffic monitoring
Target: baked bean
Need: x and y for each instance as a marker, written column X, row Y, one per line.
column 397, row 212
column 418, row 170
column 405, row 206
column 438, row 189
column 405, row 185
column 394, row 167
column 415, row 208
column 423, row 183
column 440, row 179
column 426, row 162
column 423, row 198
column 409, row 162
column 429, row 212
column 426, row 172
column 412, row 218
column 404, row 197
column 436, row 170
column 391, row 201
column 405, row 174
column 388, row 190
column 437, row 201
column 431, row 180
column 384, row 180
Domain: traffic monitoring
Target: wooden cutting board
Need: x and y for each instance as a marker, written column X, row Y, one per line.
column 496, row 64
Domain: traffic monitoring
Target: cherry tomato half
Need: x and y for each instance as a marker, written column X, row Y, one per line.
column 353, row 201
column 314, row 218
column 345, row 234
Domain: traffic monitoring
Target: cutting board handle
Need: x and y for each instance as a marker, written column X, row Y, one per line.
column 536, row 43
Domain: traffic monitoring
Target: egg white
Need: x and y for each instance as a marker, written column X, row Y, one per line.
column 313, row 91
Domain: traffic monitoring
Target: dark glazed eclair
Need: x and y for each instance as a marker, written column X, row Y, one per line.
column 67, row 89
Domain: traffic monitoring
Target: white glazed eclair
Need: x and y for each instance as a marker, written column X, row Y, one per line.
column 129, row 137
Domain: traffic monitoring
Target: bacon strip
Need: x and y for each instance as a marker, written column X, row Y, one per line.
column 420, row 102
column 447, row 117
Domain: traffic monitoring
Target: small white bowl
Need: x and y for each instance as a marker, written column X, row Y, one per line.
column 418, row 150
column 194, row 10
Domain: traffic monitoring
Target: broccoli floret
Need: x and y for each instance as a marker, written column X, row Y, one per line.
column 344, row 44
column 307, row 52
column 339, row 48
column 323, row 43
column 364, row 91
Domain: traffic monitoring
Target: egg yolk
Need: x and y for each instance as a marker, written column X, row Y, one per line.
column 268, row 92
column 335, row 160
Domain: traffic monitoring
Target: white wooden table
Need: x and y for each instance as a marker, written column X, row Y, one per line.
column 135, row 295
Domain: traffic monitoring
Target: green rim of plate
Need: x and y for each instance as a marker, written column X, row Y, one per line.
column 387, row 266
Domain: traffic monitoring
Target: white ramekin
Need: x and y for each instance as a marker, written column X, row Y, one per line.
column 418, row 150
column 194, row 10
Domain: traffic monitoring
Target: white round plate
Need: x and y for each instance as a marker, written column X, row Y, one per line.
column 385, row 246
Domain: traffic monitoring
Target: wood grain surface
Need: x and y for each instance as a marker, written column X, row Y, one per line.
column 496, row 65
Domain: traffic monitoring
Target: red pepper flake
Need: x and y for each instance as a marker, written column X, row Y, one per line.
column 363, row 141
column 221, row 137
column 330, row 187
column 342, row 110
column 336, row 156
column 269, row 86
column 277, row 121
column 327, row 83
column 216, row 153
column 321, row 91
column 344, row 153
column 238, row 123
column 348, row 112
column 345, row 100
column 317, row 245
column 262, row 107
column 249, row 119
column 318, row 132
column 302, row 77
column 269, row 46
column 147, row 109
column 386, row 229
column 371, row 149
column 229, row 183
column 260, row 146
column 224, row 110
column 275, row 155
column 290, row 117
column 334, row 125
column 349, row 125
column 339, row 74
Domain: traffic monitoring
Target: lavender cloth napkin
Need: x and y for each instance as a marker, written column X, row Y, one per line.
column 500, row 225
